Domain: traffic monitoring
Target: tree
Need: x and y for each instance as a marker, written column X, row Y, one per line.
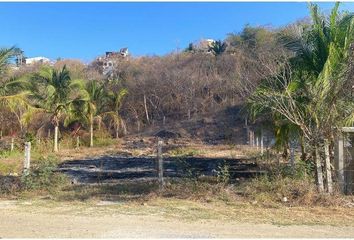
column 113, row 102
column 312, row 82
column 96, row 95
column 57, row 94
column 218, row 47
column 13, row 92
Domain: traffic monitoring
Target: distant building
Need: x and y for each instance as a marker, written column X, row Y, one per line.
column 107, row 61
column 204, row 45
column 33, row 60
column 124, row 52
column 21, row 60
column 19, row 57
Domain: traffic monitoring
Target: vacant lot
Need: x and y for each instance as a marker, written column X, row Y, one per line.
column 133, row 207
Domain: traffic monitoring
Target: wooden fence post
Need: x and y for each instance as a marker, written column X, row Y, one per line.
column 160, row 163
column 27, row 160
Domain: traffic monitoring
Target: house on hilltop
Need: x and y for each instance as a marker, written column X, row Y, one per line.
column 203, row 45
column 107, row 62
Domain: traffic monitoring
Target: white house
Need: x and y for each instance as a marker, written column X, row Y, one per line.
column 33, row 60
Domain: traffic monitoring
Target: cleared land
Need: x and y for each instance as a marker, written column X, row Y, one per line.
column 134, row 209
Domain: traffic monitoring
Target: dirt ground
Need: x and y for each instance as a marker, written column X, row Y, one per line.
column 45, row 219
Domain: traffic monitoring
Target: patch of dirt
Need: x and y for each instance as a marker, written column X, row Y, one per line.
column 61, row 221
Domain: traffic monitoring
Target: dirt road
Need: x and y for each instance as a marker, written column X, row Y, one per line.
column 36, row 221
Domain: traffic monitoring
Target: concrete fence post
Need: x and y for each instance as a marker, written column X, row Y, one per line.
column 27, row 160
column 262, row 144
column 160, row 163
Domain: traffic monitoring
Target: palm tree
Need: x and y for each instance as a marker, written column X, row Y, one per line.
column 313, row 82
column 13, row 91
column 114, row 103
column 56, row 93
column 323, row 51
column 96, row 94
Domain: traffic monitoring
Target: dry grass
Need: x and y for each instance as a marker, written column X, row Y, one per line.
column 10, row 162
column 200, row 149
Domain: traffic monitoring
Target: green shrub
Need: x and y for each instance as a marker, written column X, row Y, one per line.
column 223, row 174
column 301, row 170
column 42, row 175
column 30, row 137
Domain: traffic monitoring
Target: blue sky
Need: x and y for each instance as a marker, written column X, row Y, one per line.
column 86, row 30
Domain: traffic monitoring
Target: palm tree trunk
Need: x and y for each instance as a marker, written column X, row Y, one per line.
column 56, row 129
column 77, row 142
column 319, row 173
column 124, row 127
column 117, row 131
column 91, row 131
column 12, row 143
column 329, row 181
